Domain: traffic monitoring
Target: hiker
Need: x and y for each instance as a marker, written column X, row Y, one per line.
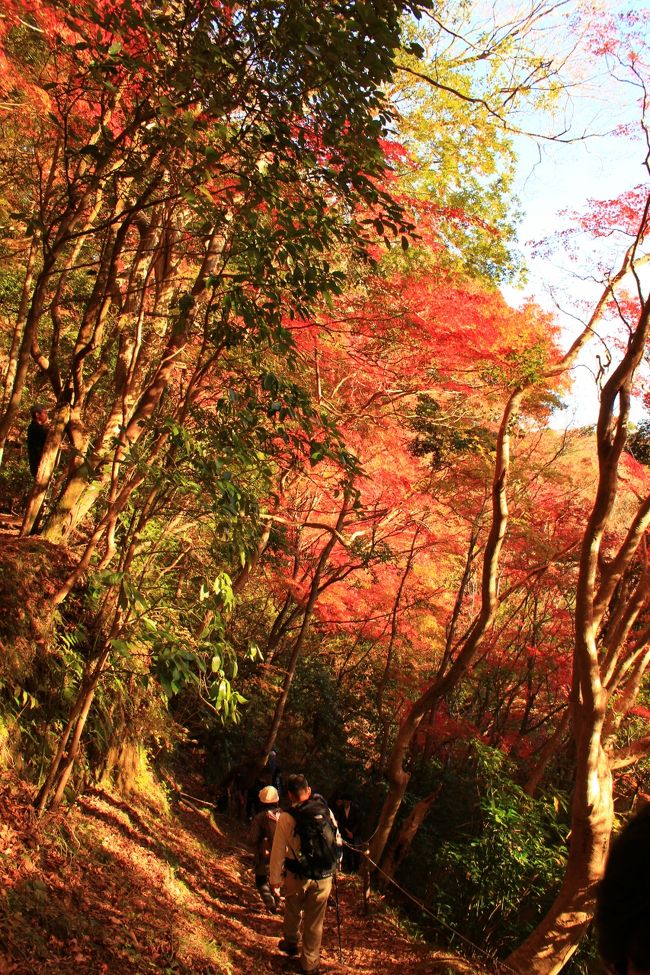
column 305, row 852
column 274, row 769
column 623, row 900
column 36, row 436
column 253, row 804
column 262, row 831
column 348, row 817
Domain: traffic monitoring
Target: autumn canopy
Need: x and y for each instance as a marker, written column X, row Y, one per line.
column 304, row 485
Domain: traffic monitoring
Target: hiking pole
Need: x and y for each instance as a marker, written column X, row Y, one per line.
column 338, row 916
column 365, row 877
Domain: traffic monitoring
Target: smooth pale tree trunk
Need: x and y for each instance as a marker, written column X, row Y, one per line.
column 454, row 665
column 465, row 649
column 551, row 944
column 398, row 780
column 555, row 939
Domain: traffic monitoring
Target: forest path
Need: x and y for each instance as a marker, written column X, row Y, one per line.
column 126, row 888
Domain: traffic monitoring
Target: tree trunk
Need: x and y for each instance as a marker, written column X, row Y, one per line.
column 59, row 771
column 398, row 780
column 45, row 472
column 454, row 665
column 12, row 363
column 125, row 762
column 557, row 936
column 554, row 940
column 401, row 845
column 89, row 481
column 300, row 639
column 549, row 749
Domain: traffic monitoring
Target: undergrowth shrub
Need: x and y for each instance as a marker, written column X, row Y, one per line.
column 490, row 859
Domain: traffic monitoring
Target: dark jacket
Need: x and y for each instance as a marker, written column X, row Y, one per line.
column 36, row 437
column 349, row 822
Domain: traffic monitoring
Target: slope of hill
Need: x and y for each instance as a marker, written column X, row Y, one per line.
column 159, row 886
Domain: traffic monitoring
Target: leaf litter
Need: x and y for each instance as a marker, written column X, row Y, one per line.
column 134, row 888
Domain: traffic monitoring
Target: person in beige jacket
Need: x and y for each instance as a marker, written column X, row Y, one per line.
column 306, row 886
column 260, row 835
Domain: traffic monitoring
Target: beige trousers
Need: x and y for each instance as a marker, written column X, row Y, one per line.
column 306, row 900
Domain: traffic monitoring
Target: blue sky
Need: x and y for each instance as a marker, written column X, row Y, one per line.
column 556, row 179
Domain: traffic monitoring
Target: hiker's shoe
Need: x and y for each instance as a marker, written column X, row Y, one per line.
column 296, row 966
column 270, row 903
column 288, row 947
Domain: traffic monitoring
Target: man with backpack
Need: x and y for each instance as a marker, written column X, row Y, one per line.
column 262, row 831
column 304, row 856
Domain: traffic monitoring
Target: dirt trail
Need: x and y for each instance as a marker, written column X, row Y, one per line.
column 128, row 889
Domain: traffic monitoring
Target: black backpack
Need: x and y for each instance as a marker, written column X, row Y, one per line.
column 319, row 850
